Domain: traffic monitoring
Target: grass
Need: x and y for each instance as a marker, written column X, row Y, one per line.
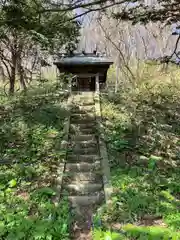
column 143, row 138
column 31, row 129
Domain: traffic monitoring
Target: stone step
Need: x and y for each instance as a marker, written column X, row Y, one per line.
column 83, row 188
column 77, row 201
column 83, row 130
column 83, row 122
column 83, row 109
column 83, row 137
column 83, row 95
column 82, row 115
column 83, row 98
column 90, row 158
column 83, row 144
column 79, row 119
column 83, row 125
column 87, row 150
column 79, row 177
column 88, row 131
column 83, row 166
column 83, row 112
column 83, row 103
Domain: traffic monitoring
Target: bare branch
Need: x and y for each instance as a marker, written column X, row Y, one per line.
column 118, row 49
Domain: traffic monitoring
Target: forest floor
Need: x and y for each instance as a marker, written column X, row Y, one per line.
column 31, row 129
column 143, row 139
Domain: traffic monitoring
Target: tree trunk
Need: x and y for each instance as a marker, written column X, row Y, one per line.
column 22, row 82
column 12, row 80
column 13, row 74
column 21, row 76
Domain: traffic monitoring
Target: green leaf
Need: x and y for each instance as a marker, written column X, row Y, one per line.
column 8, row 190
column 156, row 158
column 2, row 186
column 151, row 164
column 12, row 183
column 46, row 191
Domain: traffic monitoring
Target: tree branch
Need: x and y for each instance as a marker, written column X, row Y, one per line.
column 95, row 3
column 117, row 48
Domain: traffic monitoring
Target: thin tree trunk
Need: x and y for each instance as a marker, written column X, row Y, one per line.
column 20, row 68
column 13, row 75
column 22, row 82
column 12, row 81
column 21, row 76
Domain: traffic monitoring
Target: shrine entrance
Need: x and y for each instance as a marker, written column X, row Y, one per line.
column 84, row 84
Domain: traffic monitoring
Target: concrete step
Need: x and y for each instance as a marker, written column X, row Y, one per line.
column 83, row 112
column 83, row 121
column 75, row 158
column 88, row 131
column 83, row 95
column 82, row 130
column 86, row 150
column 80, row 119
column 83, row 188
column 77, row 201
column 83, row 144
column 79, row 177
column 83, row 137
column 83, row 103
column 82, row 98
column 83, row 109
column 83, row 125
column 82, row 115
column 83, row 166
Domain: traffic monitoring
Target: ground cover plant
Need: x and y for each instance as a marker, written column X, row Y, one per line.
column 143, row 139
column 31, row 129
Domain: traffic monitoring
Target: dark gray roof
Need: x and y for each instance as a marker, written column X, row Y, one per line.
column 83, row 60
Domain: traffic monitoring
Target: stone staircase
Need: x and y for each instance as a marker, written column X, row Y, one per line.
column 83, row 181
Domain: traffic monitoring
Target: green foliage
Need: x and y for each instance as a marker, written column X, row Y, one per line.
column 12, row 183
column 32, row 218
column 45, row 192
column 31, row 126
column 50, row 29
column 142, row 129
column 31, row 129
column 154, row 233
column 99, row 234
column 129, row 232
column 29, row 35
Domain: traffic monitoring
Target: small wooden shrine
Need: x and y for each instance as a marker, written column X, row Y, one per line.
column 89, row 70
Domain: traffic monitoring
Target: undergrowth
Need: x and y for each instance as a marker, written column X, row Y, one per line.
column 143, row 139
column 31, row 129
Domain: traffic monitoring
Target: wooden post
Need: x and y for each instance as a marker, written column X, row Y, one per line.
column 97, row 83
column 70, row 85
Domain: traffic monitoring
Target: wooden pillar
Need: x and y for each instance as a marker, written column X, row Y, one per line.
column 70, row 85
column 97, row 83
